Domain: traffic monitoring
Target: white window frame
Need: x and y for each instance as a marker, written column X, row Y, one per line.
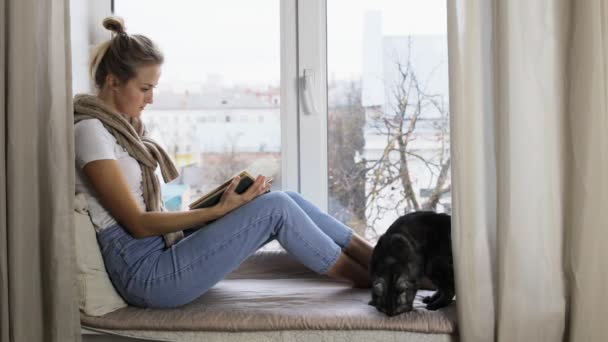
column 303, row 130
column 290, row 154
column 312, row 64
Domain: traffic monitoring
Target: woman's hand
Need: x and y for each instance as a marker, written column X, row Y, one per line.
column 231, row 200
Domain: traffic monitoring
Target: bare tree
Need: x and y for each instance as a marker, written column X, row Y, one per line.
column 390, row 178
column 346, row 171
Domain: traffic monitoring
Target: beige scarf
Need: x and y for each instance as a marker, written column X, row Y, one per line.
column 131, row 135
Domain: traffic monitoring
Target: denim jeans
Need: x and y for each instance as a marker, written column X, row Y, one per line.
column 147, row 274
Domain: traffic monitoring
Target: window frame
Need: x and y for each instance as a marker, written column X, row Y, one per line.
column 312, row 56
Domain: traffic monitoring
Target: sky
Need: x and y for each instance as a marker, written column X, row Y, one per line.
column 238, row 41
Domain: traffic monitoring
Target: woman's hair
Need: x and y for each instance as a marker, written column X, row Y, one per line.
column 122, row 54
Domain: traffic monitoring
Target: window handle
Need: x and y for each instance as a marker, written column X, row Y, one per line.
column 306, row 85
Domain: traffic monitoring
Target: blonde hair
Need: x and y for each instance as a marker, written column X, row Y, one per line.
column 122, row 54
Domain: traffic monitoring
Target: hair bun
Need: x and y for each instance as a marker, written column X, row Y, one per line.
column 114, row 24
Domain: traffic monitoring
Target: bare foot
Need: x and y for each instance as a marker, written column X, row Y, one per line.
column 360, row 250
column 348, row 269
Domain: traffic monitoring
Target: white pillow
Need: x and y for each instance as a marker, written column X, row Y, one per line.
column 97, row 295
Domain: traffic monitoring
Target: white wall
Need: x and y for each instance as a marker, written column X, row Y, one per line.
column 87, row 31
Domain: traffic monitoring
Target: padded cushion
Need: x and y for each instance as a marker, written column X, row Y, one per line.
column 97, row 295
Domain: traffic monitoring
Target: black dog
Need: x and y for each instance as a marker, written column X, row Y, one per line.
column 415, row 245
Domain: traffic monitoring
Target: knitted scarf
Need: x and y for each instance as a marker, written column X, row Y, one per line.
column 131, row 135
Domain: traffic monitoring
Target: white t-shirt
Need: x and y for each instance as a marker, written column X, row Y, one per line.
column 94, row 142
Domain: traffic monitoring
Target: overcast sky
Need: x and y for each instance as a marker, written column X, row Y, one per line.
column 238, row 40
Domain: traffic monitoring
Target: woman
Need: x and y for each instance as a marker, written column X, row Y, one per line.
column 115, row 163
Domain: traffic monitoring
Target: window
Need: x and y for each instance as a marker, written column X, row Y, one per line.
column 388, row 120
column 308, row 92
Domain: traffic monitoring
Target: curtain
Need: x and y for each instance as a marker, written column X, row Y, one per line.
column 529, row 94
column 38, row 294
column 587, row 210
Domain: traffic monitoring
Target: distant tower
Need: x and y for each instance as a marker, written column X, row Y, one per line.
column 372, row 84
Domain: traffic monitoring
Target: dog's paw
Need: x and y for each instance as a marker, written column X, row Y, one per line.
column 438, row 304
column 427, row 299
column 433, row 306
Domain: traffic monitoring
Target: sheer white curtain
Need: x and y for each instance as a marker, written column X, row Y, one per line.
column 529, row 94
column 38, row 294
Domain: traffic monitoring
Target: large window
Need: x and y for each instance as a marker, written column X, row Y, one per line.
column 217, row 106
column 388, row 120
column 345, row 101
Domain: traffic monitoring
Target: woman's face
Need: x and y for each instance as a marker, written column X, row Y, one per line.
column 132, row 97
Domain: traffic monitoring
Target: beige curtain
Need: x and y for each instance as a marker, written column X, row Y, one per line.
column 529, row 106
column 38, row 294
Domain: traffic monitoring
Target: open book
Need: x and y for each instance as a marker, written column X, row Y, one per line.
column 213, row 197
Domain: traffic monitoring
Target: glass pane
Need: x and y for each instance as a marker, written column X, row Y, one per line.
column 216, row 109
column 388, row 119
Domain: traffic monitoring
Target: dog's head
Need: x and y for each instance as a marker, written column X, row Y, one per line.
column 394, row 273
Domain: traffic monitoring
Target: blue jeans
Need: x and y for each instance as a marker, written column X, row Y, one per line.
column 147, row 274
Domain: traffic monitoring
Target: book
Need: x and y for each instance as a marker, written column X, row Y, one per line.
column 214, row 196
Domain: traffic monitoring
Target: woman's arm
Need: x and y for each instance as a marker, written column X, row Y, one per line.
column 108, row 181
